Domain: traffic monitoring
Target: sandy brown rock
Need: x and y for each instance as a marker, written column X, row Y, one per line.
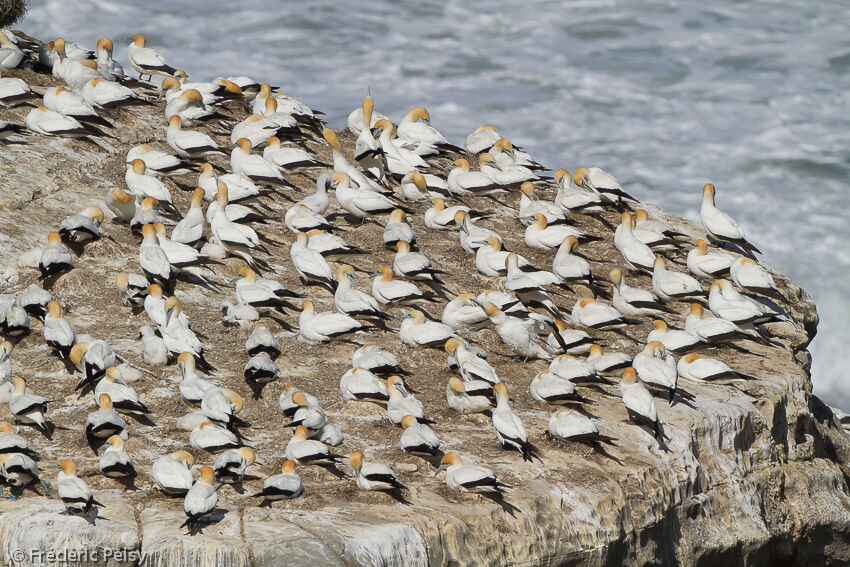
column 756, row 472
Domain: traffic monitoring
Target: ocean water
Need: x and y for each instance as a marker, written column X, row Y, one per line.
column 751, row 96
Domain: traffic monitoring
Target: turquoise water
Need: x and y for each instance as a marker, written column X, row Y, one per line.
column 752, row 96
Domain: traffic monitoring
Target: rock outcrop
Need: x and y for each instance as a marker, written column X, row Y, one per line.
column 755, row 473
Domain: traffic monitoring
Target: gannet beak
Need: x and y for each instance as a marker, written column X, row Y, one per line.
column 236, row 279
column 440, row 469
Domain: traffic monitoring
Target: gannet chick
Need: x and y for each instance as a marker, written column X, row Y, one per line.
column 491, row 260
column 359, row 384
column 439, row 217
column 700, row 368
column 752, row 276
column 373, row 476
column 376, row 360
column 401, row 403
column 192, row 387
column 509, row 427
column 201, row 499
column 14, row 320
column 304, row 451
column 638, row 256
column 154, row 351
column 654, row 366
column 189, row 144
column 173, row 473
column 416, row 331
column 673, row 285
column 146, row 213
column 674, row 340
column 473, row 237
column 633, row 301
column 315, row 328
column 73, row 491
column 468, row 478
column 34, row 300
column 418, row 438
column 463, row 315
column 229, row 466
column 146, row 61
column 707, row 264
column 387, row 290
column 17, row 469
column 639, row 403
column 212, row 438
column 55, row 258
column 58, row 333
column 719, row 225
column 550, row 388
column 123, row 396
column 571, row 198
column 104, row 423
column 83, row 226
column 473, row 396
column 608, row 362
column 539, row 234
column 287, row 157
column 281, row 486
column 115, row 462
column 398, row 229
column 27, row 407
column 519, row 335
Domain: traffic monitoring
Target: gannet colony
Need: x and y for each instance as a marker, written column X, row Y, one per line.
column 234, row 336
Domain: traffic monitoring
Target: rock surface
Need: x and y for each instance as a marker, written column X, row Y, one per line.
column 755, row 473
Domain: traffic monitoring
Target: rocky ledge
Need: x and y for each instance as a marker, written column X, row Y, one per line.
column 755, row 472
